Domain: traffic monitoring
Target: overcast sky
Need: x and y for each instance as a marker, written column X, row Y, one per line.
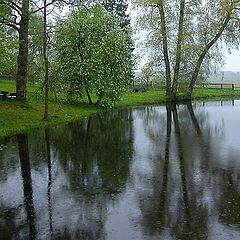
column 232, row 60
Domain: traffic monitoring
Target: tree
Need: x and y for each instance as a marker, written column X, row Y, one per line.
column 45, row 56
column 147, row 74
column 119, row 7
column 8, row 47
column 93, row 55
column 9, row 15
column 35, row 46
column 16, row 15
column 186, row 37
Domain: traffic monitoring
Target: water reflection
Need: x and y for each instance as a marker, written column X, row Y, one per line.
column 70, row 174
column 27, row 182
column 49, row 163
column 184, row 194
column 167, row 172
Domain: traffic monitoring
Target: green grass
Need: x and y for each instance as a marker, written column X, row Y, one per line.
column 214, row 94
column 17, row 117
column 157, row 96
column 7, row 85
column 152, row 96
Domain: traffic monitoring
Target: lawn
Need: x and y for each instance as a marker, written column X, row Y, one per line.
column 16, row 117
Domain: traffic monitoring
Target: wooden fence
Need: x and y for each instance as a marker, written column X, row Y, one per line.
column 221, row 85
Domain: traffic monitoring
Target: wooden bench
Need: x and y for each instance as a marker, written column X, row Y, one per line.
column 4, row 94
column 12, row 95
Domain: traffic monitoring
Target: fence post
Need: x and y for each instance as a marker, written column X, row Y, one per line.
column 233, row 86
column 221, row 86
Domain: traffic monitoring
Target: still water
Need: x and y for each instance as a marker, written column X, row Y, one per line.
column 164, row 172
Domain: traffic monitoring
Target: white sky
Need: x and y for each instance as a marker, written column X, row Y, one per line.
column 232, row 61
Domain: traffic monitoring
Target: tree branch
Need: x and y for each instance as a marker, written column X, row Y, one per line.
column 9, row 23
column 13, row 6
column 205, row 51
column 41, row 8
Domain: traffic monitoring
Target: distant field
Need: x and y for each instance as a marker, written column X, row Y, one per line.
column 226, row 76
column 219, row 77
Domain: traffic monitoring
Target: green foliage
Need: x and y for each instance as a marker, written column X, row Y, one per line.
column 8, row 52
column 93, row 55
column 119, row 7
column 5, row 12
column 35, row 46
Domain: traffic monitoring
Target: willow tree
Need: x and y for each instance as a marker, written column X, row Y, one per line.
column 185, row 38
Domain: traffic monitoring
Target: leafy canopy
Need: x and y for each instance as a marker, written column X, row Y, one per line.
column 93, row 55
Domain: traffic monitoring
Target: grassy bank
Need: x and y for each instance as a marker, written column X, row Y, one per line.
column 16, row 117
column 156, row 96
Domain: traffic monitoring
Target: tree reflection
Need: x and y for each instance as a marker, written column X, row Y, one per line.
column 27, row 182
column 193, row 118
column 182, row 170
column 49, row 163
column 95, row 154
column 180, row 189
column 177, row 201
column 230, row 201
column 166, row 159
column 96, row 151
column 8, row 227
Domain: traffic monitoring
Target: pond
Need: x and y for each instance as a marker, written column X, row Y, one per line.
column 158, row 172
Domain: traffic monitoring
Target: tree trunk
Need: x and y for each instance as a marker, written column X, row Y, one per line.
column 22, row 61
column 204, row 53
column 165, row 48
column 179, row 50
column 45, row 53
column 85, row 81
column 88, row 93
